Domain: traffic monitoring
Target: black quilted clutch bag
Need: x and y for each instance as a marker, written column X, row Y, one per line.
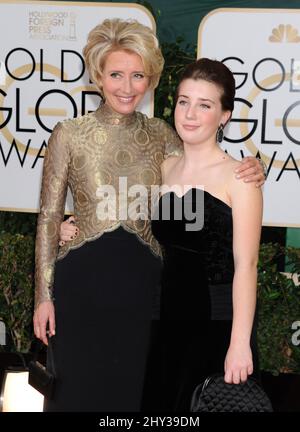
column 215, row 395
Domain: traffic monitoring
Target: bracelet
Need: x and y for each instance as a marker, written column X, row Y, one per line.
column 264, row 167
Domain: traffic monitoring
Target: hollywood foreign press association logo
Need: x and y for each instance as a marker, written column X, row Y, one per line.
column 52, row 25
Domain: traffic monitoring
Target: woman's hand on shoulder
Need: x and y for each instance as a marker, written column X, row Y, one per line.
column 44, row 314
column 250, row 169
column 238, row 363
column 68, row 230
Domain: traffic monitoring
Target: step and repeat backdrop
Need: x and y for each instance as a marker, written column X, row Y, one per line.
column 43, row 80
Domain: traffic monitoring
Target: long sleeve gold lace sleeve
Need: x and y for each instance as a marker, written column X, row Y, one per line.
column 52, row 205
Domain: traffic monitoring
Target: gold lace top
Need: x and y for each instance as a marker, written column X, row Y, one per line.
column 105, row 158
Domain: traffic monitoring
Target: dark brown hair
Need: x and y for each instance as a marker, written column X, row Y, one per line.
column 214, row 72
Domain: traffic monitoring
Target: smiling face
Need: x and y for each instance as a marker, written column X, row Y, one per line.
column 198, row 111
column 123, row 81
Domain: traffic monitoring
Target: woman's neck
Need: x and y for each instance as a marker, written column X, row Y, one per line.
column 201, row 155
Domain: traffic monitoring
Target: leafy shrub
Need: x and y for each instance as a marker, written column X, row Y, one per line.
column 176, row 59
column 16, row 289
column 278, row 309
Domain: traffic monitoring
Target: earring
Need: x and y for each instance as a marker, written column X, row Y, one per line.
column 220, row 133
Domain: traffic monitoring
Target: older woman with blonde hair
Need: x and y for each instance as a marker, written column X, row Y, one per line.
column 98, row 292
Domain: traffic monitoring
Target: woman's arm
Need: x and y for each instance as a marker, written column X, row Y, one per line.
column 52, row 206
column 247, row 206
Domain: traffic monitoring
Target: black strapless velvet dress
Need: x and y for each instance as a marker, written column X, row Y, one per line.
column 196, row 298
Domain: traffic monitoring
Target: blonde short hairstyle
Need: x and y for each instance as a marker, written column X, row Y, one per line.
column 129, row 35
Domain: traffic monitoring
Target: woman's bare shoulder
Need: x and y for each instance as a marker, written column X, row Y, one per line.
column 167, row 165
column 170, row 161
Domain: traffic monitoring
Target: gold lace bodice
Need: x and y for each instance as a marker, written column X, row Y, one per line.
column 87, row 154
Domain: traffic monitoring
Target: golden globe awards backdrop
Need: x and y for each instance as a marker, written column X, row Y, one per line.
column 262, row 48
column 42, row 81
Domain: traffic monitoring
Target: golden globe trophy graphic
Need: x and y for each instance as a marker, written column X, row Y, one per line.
column 2, row 74
column 281, row 34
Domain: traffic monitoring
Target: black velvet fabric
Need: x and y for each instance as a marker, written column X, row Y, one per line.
column 193, row 335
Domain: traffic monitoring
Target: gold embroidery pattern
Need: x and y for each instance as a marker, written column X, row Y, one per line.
column 86, row 153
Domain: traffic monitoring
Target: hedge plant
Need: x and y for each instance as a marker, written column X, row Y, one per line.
column 278, row 309
column 16, row 290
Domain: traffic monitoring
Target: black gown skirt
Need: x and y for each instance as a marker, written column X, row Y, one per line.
column 196, row 301
column 105, row 297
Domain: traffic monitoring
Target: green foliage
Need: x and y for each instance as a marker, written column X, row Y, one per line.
column 278, row 309
column 16, row 289
column 176, row 59
column 15, row 222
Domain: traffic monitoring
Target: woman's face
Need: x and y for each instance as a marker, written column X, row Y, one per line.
column 123, row 81
column 198, row 111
